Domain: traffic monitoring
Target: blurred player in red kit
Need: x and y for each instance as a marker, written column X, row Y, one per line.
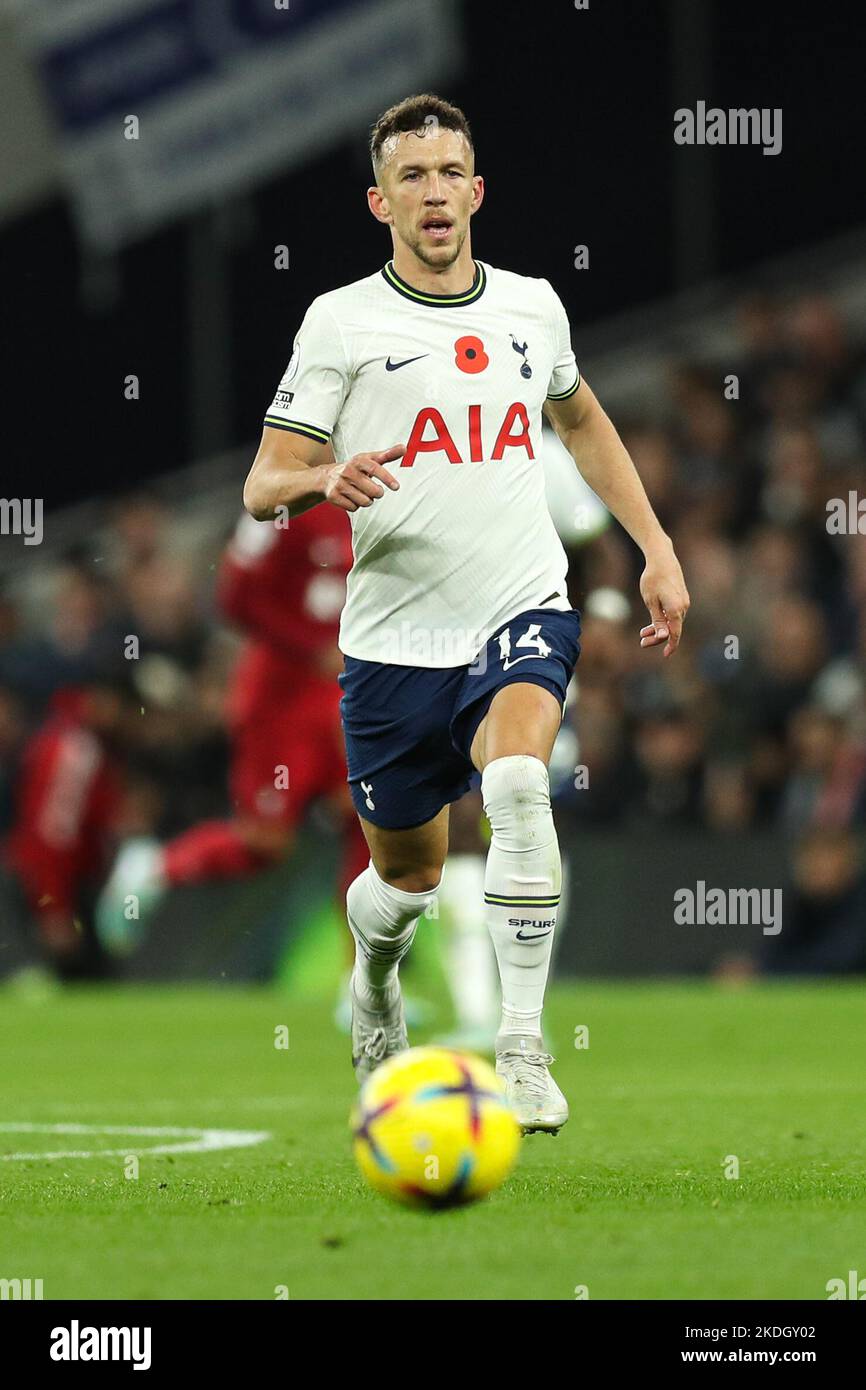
column 68, row 794
column 284, row 586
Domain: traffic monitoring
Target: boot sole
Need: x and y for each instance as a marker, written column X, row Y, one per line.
column 551, row 1129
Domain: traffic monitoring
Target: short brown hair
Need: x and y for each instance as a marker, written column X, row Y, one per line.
column 416, row 113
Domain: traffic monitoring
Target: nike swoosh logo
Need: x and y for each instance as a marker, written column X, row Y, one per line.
column 507, row 665
column 395, row 366
column 536, row 937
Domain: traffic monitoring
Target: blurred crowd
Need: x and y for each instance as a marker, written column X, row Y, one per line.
column 130, row 644
column 112, row 715
column 758, row 722
column 761, row 718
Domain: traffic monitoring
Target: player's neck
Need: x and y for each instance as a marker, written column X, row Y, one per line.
column 456, row 278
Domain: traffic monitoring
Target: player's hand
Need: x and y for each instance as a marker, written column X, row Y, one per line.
column 663, row 590
column 353, row 484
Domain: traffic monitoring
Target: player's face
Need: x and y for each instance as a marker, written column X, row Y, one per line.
column 427, row 192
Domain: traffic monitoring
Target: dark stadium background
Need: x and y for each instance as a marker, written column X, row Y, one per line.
column 572, row 115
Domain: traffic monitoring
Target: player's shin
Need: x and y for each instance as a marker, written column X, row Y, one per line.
column 521, row 885
column 522, row 888
column 382, row 919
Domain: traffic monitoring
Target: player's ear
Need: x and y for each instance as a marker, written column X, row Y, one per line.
column 377, row 202
column 477, row 192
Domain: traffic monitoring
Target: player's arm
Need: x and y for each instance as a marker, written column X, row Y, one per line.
column 295, row 472
column 604, row 462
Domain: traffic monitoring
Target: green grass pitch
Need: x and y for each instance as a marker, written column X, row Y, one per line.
column 631, row 1200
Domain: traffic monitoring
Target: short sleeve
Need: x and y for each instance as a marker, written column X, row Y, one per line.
column 311, row 394
column 565, row 377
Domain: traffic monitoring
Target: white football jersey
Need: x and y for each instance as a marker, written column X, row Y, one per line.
column 467, row 542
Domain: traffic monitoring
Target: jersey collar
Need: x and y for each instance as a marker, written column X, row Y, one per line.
column 440, row 301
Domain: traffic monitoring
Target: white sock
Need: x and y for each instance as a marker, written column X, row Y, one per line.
column 522, row 884
column 469, row 956
column 382, row 919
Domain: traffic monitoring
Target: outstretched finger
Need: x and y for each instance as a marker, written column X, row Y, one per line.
column 396, row 451
column 377, row 471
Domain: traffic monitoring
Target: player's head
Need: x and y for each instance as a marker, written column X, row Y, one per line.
column 424, row 166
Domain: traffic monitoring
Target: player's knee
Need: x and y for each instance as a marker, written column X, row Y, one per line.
column 418, row 880
column 516, row 795
column 385, row 893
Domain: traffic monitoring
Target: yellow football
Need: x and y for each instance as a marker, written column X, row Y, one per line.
column 433, row 1128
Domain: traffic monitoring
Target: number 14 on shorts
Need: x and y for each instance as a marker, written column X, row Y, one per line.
column 531, row 638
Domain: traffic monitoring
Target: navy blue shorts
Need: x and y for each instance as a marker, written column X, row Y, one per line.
column 408, row 729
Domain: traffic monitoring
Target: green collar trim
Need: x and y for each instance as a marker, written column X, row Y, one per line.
column 441, row 301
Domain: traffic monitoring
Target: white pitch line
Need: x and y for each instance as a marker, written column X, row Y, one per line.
column 190, row 1140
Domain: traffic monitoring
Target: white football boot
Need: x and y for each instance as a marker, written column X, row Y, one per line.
column 376, row 1035
column 533, row 1094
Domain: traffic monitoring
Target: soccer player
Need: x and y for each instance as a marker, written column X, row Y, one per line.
column 428, row 380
